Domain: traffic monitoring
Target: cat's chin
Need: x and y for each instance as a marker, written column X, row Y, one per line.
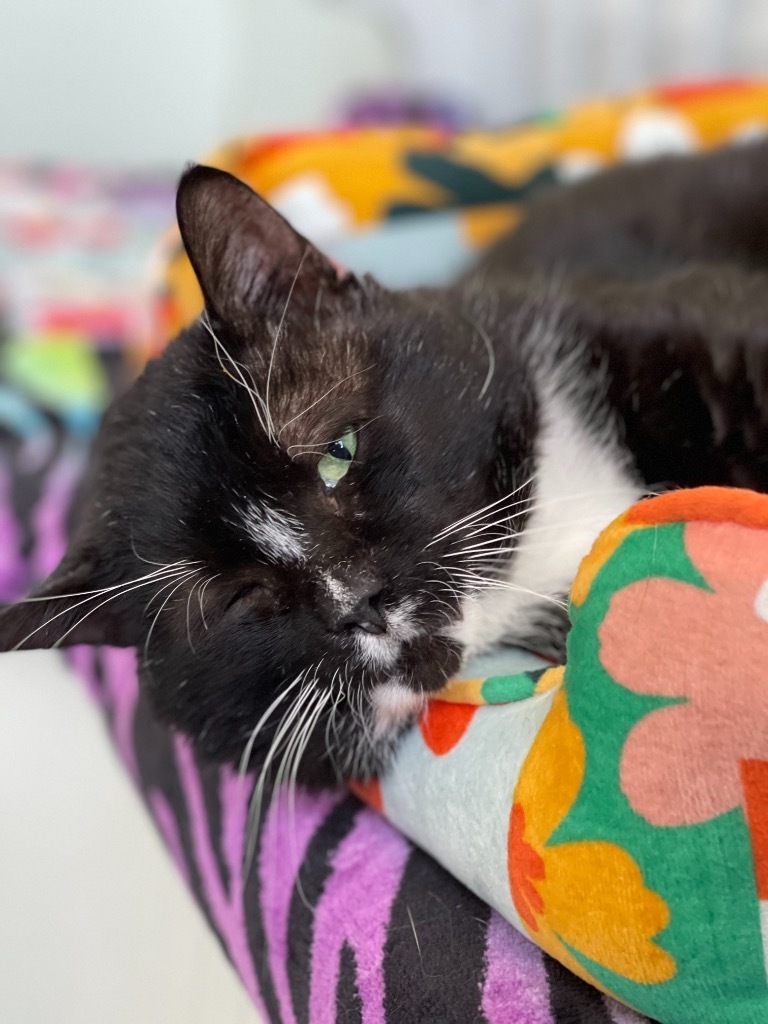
column 395, row 707
column 397, row 702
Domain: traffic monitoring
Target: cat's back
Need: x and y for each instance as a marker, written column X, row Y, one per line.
column 655, row 279
column 645, row 219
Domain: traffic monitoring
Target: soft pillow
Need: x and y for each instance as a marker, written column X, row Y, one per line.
column 615, row 809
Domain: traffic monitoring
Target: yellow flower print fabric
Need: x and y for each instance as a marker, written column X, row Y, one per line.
column 585, row 896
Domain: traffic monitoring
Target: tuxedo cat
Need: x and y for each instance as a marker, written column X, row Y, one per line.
column 325, row 496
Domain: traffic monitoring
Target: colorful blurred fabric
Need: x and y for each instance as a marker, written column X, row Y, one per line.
column 441, row 195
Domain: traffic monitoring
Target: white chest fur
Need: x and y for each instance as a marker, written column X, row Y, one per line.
column 583, row 480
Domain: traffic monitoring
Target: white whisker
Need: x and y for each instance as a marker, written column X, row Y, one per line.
column 254, row 810
column 486, row 340
column 256, row 400
column 468, row 521
column 91, row 611
column 119, row 590
column 189, row 598
column 320, row 399
column 248, row 750
column 181, row 583
column 311, row 444
column 490, row 583
column 270, row 421
column 201, row 595
column 158, row 573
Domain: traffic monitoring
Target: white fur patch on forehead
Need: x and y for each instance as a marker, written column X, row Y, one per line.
column 395, row 705
column 278, row 535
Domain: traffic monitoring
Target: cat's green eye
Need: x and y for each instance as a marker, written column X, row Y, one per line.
column 338, row 457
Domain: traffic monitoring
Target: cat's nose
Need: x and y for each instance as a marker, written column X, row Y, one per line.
column 351, row 602
column 365, row 615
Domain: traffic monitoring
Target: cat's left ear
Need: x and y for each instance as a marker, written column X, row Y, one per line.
column 247, row 258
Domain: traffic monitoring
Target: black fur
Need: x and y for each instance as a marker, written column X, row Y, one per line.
column 653, row 275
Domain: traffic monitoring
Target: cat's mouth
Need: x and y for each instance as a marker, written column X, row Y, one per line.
column 381, row 653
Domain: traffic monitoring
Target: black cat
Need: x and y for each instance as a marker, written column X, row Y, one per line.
column 325, row 496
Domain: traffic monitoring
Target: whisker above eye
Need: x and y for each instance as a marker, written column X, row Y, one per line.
column 162, row 565
column 181, row 583
column 257, row 401
column 310, row 444
column 157, row 574
column 201, row 596
column 189, row 599
column 87, row 614
column 270, row 422
column 119, row 589
column 320, row 399
column 160, row 590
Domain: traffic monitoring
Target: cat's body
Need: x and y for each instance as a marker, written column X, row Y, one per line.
column 650, row 355
column 337, row 494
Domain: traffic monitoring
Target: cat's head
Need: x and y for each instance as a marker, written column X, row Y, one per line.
column 270, row 512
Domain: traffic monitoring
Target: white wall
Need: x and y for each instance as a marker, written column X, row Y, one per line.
column 506, row 59
column 147, row 82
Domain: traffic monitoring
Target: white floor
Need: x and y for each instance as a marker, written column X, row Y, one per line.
column 95, row 926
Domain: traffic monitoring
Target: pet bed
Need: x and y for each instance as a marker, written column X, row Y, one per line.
column 341, row 918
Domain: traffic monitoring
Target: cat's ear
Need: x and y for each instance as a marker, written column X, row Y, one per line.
column 73, row 605
column 247, row 258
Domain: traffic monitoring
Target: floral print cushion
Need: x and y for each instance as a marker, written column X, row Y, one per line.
column 615, row 809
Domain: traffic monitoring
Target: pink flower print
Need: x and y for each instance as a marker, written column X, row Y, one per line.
column 681, row 764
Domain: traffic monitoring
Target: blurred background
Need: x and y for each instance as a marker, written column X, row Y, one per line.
column 157, row 82
column 101, row 105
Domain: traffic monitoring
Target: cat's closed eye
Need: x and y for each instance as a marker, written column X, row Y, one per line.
column 253, row 593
